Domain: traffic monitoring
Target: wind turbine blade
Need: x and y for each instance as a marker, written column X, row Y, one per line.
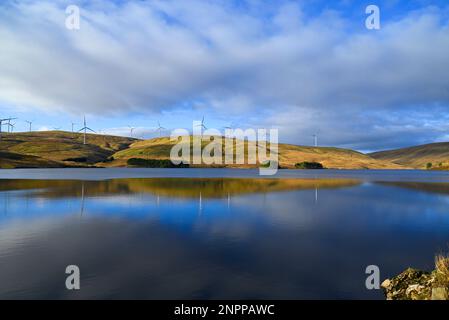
column 90, row 129
column 81, row 129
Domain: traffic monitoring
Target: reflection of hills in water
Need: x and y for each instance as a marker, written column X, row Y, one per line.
column 429, row 187
column 170, row 187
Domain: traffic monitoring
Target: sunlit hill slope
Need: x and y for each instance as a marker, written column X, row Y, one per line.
column 57, row 149
column 64, row 149
column 429, row 156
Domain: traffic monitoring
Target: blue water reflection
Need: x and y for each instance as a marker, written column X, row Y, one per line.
column 215, row 238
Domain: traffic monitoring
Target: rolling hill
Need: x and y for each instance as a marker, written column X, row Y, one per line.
column 289, row 155
column 418, row 157
column 52, row 149
column 57, row 149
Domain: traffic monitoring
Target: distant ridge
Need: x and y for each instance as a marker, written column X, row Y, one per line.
column 436, row 154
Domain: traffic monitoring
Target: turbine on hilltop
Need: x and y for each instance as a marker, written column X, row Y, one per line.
column 85, row 128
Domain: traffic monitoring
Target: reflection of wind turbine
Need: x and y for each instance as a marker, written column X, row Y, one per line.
column 30, row 123
column 82, row 199
column 159, row 128
column 85, row 129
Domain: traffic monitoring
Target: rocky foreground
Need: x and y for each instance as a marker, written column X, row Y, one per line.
column 414, row 284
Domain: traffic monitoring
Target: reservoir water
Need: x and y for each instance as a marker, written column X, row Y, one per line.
column 215, row 233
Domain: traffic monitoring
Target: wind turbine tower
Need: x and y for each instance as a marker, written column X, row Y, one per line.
column 202, row 125
column 85, row 128
column 131, row 130
column 12, row 126
column 159, row 128
column 29, row 123
column 8, row 124
column 315, row 137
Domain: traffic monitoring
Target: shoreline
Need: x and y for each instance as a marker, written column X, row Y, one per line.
column 368, row 176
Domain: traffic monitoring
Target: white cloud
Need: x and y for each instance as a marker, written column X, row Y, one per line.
column 152, row 56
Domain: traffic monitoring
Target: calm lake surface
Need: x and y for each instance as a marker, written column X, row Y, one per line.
column 215, row 233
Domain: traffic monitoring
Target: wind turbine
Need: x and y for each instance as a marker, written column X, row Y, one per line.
column 9, row 123
column 73, row 125
column 30, row 123
column 85, row 128
column 12, row 126
column 131, row 129
column 202, row 124
column 230, row 128
column 159, row 128
column 315, row 136
column 56, row 128
column 1, row 124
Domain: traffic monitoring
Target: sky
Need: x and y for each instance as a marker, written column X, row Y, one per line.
column 304, row 67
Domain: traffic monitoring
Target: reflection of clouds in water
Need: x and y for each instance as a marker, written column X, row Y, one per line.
column 122, row 260
column 119, row 259
column 274, row 245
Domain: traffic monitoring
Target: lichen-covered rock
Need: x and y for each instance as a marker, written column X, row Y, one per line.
column 411, row 284
column 414, row 284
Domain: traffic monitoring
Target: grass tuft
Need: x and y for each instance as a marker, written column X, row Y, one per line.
column 442, row 267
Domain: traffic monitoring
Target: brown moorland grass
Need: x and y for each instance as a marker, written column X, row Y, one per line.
column 57, row 149
column 289, row 155
column 418, row 156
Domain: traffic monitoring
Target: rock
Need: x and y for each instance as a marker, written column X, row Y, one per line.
column 416, row 292
column 414, row 284
column 411, row 284
column 386, row 284
column 439, row 294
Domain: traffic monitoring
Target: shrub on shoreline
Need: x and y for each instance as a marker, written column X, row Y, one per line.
column 153, row 163
column 309, row 165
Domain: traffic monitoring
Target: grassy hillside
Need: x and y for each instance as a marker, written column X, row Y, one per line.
column 57, row 149
column 418, row 157
column 289, row 155
column 10, row 160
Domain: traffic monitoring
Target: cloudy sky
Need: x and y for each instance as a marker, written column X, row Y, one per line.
column 300, row 66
